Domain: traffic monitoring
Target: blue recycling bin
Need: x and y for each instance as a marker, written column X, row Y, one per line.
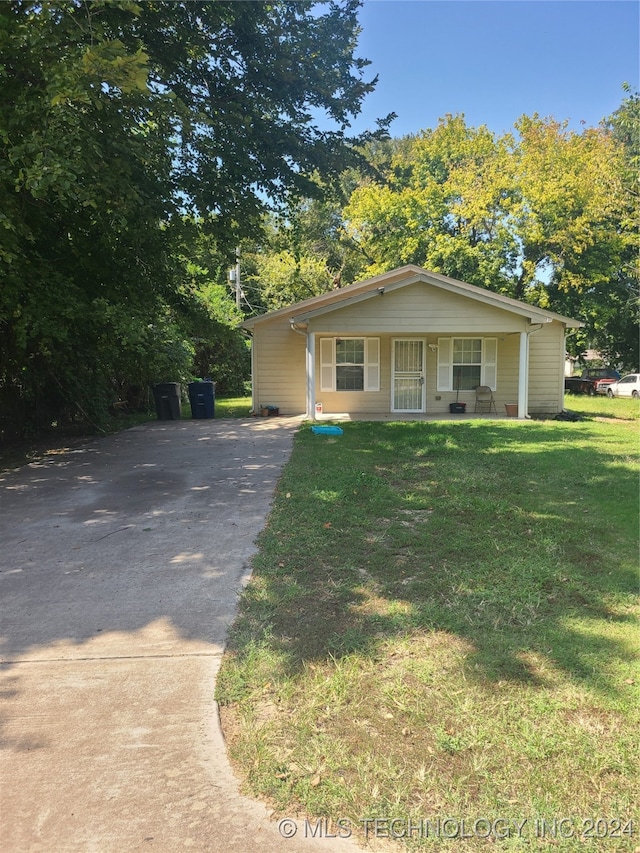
column 167, row 399
column 202, row 396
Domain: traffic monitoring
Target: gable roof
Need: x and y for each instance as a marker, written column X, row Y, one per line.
column 300, row 312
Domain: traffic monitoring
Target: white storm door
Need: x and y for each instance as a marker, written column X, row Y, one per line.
column 408, row 386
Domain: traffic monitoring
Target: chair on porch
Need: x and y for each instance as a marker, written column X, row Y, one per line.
column 484, row 399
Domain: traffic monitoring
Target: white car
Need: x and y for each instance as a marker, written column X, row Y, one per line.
column 628, row 386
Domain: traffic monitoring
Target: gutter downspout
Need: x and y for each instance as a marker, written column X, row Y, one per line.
column 523, row 387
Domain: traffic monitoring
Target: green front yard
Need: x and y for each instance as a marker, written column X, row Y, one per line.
column 441, row 624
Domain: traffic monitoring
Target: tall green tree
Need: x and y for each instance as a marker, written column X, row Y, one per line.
column 303, row 253
column 615, row 326
column 443, row 206
column 544, row 214
column 504, row 212
column 599, row 280
column 127, row 130
column 569, row 198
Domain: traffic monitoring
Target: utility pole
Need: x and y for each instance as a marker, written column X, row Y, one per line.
column 238, row 290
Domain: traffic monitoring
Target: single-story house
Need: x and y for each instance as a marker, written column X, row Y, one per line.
column 406, row 342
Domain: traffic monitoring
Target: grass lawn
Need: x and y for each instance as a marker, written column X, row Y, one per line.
column 440, row 628
column 233, row 407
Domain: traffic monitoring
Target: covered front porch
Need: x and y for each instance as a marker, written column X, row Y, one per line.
column 410, row 377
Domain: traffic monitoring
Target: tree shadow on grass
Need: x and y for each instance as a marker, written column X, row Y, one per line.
column 485, row 531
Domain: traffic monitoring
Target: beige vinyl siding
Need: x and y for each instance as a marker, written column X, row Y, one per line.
column 507, row 379
column 546, row 369
column 280, row 367
column 280, row 359
column 506, row 391
column 415, row 309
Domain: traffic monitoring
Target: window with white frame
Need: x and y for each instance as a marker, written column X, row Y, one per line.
column 465, row 363
column 349, row 364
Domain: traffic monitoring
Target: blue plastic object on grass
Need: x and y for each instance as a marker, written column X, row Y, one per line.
column 327, row 430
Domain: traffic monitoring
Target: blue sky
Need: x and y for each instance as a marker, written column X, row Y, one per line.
column 494, row 60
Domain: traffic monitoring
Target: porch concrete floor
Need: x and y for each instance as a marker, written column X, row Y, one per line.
column 405, row 416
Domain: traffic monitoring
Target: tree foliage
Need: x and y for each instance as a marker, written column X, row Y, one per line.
column 505, row 212
column 615, row 326
column 130, row 133
column 542, row 214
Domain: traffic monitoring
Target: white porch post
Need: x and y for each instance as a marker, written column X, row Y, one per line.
column 311, row 375
column 523, row 376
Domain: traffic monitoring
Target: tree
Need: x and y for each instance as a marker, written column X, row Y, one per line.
column 128, row 130
column 247, row 79
column 302, row 253
column 443, row 206
column 569, row 195
column 608, row 274
column 85, row 191
column 615, row 330
column 544, row 215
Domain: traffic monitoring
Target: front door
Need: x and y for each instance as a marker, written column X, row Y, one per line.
column 408, row 386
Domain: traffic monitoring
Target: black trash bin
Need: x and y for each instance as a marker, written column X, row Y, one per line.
column 202, row 397
column 167, row 397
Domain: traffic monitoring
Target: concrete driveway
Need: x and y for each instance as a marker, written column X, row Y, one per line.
column 121, row 562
